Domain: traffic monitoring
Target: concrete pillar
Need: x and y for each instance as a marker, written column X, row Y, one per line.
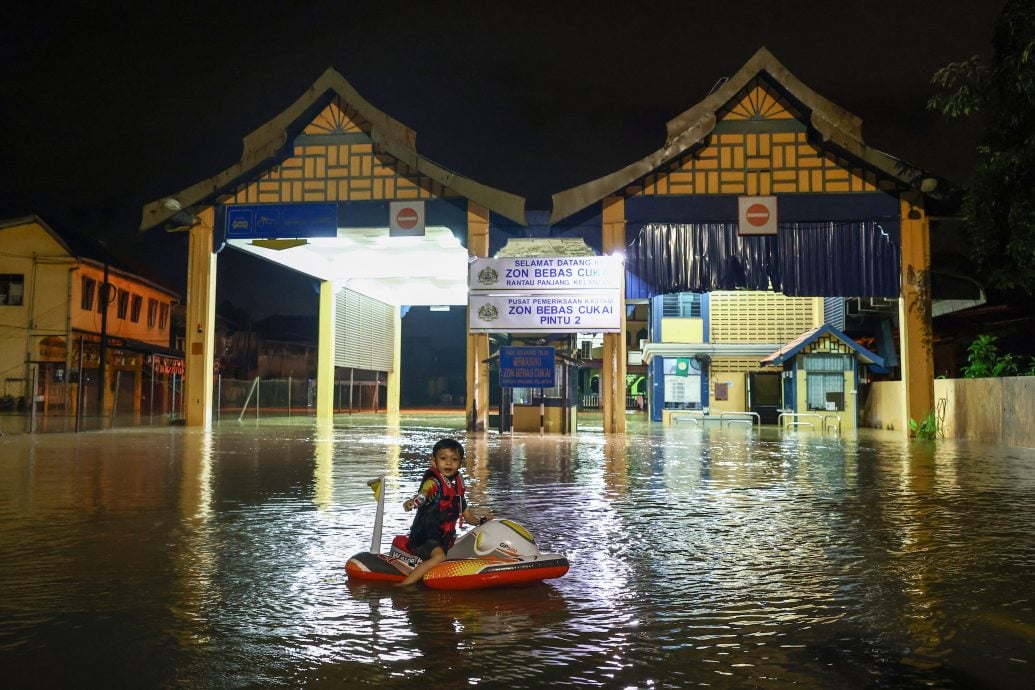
column 325, row 354
column 201, row 323
column 477, row 343
column 914, row 313
column 616, row 356
column 394, row 382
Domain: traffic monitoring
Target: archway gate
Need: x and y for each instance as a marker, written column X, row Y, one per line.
column 761, row 134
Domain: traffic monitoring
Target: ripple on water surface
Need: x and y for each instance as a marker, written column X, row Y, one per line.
column 725, row 558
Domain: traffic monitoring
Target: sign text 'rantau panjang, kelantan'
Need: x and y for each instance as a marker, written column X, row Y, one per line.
column 579, row 294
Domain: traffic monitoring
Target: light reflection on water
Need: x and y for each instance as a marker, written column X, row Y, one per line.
column 174, row 558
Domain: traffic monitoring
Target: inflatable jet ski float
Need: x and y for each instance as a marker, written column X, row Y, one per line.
column 498, row 553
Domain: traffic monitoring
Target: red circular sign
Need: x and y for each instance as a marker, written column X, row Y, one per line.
column 757, row 215
column 406, row 218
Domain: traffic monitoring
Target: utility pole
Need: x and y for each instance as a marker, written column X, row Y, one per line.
column 103, row 297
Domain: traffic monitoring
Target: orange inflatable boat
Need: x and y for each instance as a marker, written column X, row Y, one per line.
column 498, row 553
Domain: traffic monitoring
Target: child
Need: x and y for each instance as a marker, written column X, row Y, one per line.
column 440, row 503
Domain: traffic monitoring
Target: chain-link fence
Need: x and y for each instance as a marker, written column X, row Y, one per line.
column 73, row 405
column 257, row 398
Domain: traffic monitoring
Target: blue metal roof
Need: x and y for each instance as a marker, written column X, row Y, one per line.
column 791, row 349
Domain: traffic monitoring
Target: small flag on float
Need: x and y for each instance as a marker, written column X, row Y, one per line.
column 377, row 485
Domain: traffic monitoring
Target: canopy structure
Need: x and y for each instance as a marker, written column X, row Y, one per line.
column 851, row 222
column 317, row 151
column 426, row 270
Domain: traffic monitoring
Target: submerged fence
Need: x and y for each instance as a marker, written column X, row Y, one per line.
column 161, row 402
column 257, row 398
column 127, row 403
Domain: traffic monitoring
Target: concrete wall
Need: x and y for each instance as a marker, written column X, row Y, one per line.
column 990, row 410
column 884, row 407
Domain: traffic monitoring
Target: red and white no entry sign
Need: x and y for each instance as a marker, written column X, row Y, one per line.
column 757, row 215
column 406, row 218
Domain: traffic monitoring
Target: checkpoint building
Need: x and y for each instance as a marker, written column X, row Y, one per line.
column 762, row 214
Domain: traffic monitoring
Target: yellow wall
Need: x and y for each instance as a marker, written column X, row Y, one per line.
column 29, row 250
column 884, row 407
column 526, row 418
column 737, row 391
column 680, row 330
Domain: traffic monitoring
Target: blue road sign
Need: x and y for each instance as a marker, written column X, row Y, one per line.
column 527, row 367
column 271, row 221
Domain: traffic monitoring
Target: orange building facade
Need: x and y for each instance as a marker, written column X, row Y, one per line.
column 61, row 313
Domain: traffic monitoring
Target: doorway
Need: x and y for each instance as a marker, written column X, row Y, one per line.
column 764, row 396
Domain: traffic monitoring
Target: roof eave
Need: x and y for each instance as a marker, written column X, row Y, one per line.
column 834, row 124
column 267, row 142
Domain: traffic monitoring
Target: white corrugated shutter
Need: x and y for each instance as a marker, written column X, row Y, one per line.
column 364, row 332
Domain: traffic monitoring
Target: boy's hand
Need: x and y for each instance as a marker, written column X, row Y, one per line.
column 408, row 505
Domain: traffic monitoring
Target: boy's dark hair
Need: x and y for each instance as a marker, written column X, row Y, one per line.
column 449, row 444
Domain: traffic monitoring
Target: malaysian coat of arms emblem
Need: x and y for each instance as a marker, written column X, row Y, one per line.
column 488, row 276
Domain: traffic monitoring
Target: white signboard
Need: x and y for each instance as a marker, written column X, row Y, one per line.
column 682, row 389
column 546, row 273
column 576, row 312
column 756, row 215
column 406, row 219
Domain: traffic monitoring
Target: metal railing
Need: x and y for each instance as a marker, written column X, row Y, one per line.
column 790, row 420
column 749, row 418
column 693, row 416
column 795, row 419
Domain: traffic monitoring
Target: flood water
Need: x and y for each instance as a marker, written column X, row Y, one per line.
column 174, row 558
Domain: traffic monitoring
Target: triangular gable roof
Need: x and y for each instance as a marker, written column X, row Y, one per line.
column 81, row 248
column 265, row 145
column 835, row 124
column 34, row 219
column 791, row 349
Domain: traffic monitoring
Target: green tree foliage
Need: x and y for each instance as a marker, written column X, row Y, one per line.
column 984, row 360
column 982, row 355
column 999, row 203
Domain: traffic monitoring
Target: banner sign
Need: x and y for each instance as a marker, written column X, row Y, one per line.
column 288, row 221
column 527, row 367
column 546, row 273
column 576, row 312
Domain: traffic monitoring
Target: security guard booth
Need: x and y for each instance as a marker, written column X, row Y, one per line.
column 550, row 408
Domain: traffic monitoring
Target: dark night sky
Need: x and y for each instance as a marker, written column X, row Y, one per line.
column 107, row 106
